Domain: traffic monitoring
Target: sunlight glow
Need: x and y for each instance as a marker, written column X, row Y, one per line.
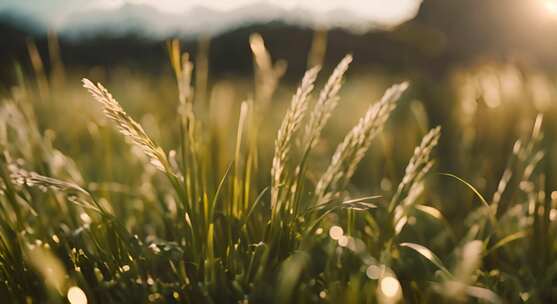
column 551, row 6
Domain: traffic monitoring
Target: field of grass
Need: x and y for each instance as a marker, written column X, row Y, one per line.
column 160, row 189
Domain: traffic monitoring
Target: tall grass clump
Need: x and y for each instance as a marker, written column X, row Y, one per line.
column 137, row 213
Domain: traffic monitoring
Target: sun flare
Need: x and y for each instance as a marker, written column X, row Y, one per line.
column 551, row 6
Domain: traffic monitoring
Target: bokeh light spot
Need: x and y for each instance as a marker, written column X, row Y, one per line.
column 390, row 286
column 336, row 233
column 76, row 295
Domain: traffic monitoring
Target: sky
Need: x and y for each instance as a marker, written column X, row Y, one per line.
column 62, row 14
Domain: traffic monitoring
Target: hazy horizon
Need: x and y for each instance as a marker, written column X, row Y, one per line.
column 199, row 17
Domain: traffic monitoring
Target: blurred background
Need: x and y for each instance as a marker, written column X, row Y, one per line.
column 482, row 69
column 429, row 39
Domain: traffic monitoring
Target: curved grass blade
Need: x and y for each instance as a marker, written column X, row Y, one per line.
column 478, row 194
column 483, row 294
column 428, row 254
column 508, row 239
column 355, row 204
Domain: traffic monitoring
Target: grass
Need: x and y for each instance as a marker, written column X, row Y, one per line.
column 204, row 208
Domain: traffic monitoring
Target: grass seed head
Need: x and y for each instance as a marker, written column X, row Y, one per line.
column 290, row 124
column 127, row 125
column 356, row 143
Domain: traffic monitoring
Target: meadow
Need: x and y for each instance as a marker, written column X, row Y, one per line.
column 136, row 188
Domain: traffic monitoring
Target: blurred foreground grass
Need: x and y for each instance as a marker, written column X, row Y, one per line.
column 233, row 192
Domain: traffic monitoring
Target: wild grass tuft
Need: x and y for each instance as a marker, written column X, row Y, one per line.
column 241, row 215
